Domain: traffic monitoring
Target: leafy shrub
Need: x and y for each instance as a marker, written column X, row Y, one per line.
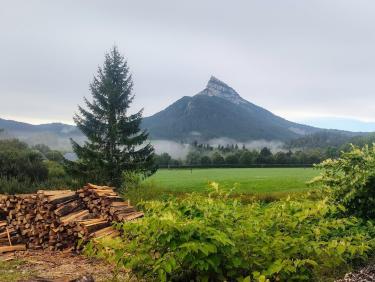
column 58, row 177
column 55, row 170
column 216, row 238
column 25, row 170
column 352, row 180
column 131, row 179
column 14, row 186
column 12, row 144
column 18, row 161
column 49, row 154
column 25, row 165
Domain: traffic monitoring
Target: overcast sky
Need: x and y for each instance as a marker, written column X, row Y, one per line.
column 299, row 59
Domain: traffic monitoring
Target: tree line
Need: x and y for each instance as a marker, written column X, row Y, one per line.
column 233, row 155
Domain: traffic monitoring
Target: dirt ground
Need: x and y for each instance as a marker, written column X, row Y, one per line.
column 57, row 267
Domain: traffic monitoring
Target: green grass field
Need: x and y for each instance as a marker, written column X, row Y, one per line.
column 246, row 180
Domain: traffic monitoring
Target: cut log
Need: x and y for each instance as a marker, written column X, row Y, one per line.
column 79, row 215
column 6, row 249
column 68, row 208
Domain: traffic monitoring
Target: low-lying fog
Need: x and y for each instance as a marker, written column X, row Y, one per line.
column 180, row 150
column 177, row 150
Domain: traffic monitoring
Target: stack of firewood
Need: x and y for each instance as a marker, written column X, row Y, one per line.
column 105, row 202
column 61, row 219
column 10, row 240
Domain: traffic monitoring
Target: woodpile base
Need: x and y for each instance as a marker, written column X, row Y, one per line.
column 61, row 219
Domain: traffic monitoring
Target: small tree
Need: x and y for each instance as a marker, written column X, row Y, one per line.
column 115, row 141
column 163, row 159
column 248, row 157
column 232, row 159
column 193, row 158
column 205, row 160
column 217, row 159
column 265, row 156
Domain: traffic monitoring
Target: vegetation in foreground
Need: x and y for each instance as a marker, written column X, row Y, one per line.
column 316, row 237
column 216, row 238
column 352, row 180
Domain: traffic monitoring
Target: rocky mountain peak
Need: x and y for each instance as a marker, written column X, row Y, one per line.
column 215, row 83
column 216, row 87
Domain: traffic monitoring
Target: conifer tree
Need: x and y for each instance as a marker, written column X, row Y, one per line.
column 115, row 143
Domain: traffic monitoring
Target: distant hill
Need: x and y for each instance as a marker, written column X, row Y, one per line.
column 328, row 138
column 55, row 135
column 219, row 111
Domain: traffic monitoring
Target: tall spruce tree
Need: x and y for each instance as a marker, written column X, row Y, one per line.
column 115, row 141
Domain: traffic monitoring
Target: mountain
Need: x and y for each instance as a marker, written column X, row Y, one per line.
column 219, row 111
column 55, row 135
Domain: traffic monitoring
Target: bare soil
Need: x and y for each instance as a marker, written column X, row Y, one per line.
column 57, row 267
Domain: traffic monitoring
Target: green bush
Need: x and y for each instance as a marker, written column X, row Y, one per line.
column 216, row 238
column 25, row 170
column 131, row 180
column 18, row 161
column 25, row 165
column 352, row 180
column 12, row 144
column 14, row 186
column 55, row 170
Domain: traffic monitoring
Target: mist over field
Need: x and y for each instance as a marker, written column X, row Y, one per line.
column 274, row 146
column 175, row 149
column 179, row 150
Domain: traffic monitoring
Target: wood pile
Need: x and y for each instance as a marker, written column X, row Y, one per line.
column 9, row 239
column 58, row 220
column 105, row 202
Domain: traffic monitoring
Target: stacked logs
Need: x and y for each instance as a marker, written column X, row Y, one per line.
column 105, row 202
column 9, row 239
column 61, row 219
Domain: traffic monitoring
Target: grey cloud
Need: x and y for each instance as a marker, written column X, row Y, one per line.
column 296, row 58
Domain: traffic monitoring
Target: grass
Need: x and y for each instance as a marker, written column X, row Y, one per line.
column 266, row 184
column 10, row 271
column 245, row 180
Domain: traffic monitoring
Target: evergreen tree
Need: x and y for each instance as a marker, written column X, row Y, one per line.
column 115, row 143
column 265, row 156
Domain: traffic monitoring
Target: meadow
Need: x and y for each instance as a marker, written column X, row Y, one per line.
column 243, row 180
column 248, row 184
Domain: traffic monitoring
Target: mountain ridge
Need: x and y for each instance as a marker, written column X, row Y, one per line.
column 56, row 134
column 219, row 111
